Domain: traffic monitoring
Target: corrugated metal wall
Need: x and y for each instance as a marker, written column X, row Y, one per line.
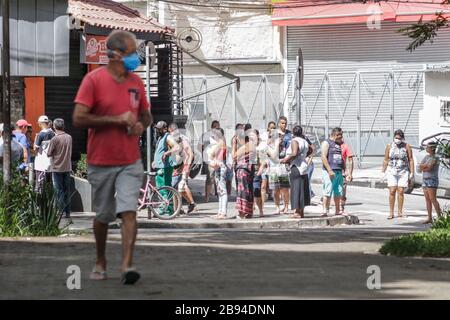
column 39, row 37
column 342, row 50
column 60, row 93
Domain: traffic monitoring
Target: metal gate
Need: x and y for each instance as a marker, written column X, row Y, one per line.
column 368, row 105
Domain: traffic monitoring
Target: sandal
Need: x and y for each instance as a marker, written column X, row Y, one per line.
column 390, row 217
column 220, row 216
column 323, row 215
column 130, row 276
column 295, row 216
column 98, row 275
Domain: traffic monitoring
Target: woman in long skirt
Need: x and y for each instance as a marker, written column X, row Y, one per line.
column 245, row 157
column 300, row 193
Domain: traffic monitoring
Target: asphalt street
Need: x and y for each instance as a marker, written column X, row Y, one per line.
column 311, row 263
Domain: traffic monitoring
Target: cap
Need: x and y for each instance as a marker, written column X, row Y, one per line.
column 22, row 123
column 161, row 124
column 43, row 119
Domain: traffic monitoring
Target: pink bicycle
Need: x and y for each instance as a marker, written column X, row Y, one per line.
column 163, row 203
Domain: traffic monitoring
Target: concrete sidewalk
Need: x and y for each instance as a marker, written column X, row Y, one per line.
column 82, row 222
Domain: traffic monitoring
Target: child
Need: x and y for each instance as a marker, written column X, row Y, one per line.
column 430, row 169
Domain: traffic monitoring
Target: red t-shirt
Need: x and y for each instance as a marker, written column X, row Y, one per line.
column 104, row 96
column 346, row 153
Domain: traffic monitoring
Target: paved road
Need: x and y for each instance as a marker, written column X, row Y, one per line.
column 213, row 264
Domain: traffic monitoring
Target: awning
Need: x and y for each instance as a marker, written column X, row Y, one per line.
column 332, row 12
column 112, row 15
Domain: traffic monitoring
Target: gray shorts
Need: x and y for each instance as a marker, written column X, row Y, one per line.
column 115, row 189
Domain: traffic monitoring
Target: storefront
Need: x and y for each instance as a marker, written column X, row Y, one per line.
column 358, row 73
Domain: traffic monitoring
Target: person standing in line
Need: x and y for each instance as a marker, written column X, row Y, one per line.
column 17, row 150
column 245, row 159
column 260, row 171
column 217, row 155
column 296, row 159
column 279, row 176
column 430, row 173
column 398, row 168
column 112, row 103
column 42, row 161
column 309, row 161
column 165, row 155
column 347, row 156
column 181, row 172
column 332, row 177
column 20, row 136
column 60, row 152
column 265, row 138
column 202, row 147
column 237, row 141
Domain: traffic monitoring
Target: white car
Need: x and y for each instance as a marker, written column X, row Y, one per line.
column 419, row 153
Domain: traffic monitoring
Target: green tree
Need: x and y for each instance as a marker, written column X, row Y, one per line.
column 422, row 32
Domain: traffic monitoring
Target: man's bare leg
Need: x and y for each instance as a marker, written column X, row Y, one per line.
column 208, row 186
column 337, row 204
column 285, row 193
column 259, row 204
column 276, row 199
column 326, row 205
column 129, row 232
column 101, row 234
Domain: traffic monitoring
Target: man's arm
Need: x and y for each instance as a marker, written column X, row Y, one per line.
column 172, row 146
column 145, row 118
column 350, row 170
column 83, row 118
column 37, row 143
column 324, row 149
column 295, row 150
column 426, row 167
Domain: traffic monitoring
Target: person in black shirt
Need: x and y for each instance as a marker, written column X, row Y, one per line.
column 42, row 161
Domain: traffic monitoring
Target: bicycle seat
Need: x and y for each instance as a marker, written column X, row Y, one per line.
column 151, row 174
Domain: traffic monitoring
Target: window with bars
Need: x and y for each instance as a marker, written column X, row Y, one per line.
column 445, row 110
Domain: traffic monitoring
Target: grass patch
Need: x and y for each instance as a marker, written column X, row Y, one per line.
column 431, row 243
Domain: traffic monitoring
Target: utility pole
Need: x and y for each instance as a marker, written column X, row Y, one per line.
column 6, row 95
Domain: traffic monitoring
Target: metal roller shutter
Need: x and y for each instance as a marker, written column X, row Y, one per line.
column 342, row 50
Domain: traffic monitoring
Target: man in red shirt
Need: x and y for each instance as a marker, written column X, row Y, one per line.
column 112, row 103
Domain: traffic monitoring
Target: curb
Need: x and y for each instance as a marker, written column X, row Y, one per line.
column 277, row 224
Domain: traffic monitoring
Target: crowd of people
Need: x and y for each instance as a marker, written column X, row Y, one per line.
column 274, row 163
column 45, row 158
column 278, row 163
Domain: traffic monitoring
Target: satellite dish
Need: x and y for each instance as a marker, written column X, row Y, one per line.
column 189, row 39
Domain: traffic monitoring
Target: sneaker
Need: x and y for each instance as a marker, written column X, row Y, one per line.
column 192, row 208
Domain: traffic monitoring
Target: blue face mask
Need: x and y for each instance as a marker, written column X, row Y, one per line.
column 131, row 62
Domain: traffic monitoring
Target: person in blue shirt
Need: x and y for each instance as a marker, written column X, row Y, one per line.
column 20, row 131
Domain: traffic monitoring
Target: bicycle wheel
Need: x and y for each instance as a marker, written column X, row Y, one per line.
column 166, row 203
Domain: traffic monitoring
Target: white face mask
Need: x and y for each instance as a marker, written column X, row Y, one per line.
column 398, row 141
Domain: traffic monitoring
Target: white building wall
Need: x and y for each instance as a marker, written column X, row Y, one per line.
column 437, row 88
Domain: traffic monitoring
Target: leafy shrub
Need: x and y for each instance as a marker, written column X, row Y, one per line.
column 24, row 212
column 431, row 243
column 442, row 222
column 82, row 171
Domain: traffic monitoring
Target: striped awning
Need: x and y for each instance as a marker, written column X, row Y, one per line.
column 114, row 15
column 329, row 12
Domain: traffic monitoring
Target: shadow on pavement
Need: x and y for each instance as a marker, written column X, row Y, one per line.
column 215, row 265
